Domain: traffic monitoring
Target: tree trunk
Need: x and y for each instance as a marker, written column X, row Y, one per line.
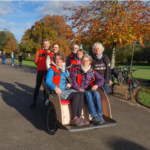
column 132, row 58
column 113, row 56
column 28, row 54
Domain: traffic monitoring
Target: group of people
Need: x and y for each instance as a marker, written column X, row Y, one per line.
column 77, row 83
column 12, row 56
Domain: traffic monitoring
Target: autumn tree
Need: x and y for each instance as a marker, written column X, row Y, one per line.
column 55, row 29
column 11, row 45
column 111, row 22
column 5, row 36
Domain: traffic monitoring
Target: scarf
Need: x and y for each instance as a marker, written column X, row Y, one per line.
column 86, row 69
column 99, row 57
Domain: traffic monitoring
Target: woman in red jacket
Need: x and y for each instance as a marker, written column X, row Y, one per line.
column 77, row 62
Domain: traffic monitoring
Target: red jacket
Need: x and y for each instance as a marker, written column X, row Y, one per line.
column 79, row 77
column 41, row 60
column 51, row 55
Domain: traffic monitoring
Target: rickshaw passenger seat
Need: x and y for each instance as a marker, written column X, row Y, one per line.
column 65, row 102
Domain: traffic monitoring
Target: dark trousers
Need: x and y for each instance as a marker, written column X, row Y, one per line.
column 40, row 75
column 77, row 102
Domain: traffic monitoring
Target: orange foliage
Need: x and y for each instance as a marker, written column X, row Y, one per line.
column 55, row 29
column 109, row 22
column 11, row 46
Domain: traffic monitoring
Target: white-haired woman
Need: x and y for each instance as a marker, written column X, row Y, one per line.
column 101, row 64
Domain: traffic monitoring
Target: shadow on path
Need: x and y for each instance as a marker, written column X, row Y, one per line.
column 123, row 144
column 20, row 98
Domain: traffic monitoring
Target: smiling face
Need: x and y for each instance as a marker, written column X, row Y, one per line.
column 56, row 48
column 79, row 54
column 86, row 62
column 46, row 45
column 97, row 50
column 75, row 48
column 58, row 61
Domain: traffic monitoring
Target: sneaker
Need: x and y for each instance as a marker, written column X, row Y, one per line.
column 77, row 122
column 101, row 119
column 86, row 123
column 33, row 105
column 95, row 120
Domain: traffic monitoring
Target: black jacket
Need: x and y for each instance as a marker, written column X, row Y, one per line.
column 20, row 58
column 107, row 71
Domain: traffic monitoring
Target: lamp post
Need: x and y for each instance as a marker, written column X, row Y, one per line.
column 43, row 22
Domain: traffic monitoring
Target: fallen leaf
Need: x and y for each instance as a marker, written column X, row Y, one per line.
column 110, row 143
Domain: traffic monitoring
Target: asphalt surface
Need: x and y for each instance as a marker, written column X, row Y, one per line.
column 22, row 128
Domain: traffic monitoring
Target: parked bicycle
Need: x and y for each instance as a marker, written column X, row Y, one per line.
column 114, row 82
column 117, row 73
column 125, row 73
column 133, row 83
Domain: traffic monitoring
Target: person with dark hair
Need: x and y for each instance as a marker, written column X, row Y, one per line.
column 20, row 59
column 77, row 62
column 3, row 58
column 50, row 55
column 72, row 56
column 87, row 80
column 40, row 61
column 56, row 80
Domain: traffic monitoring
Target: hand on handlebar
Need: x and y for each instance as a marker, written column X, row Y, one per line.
column 58, row 90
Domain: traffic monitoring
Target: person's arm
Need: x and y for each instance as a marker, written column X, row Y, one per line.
column 73, row 77
column 49, row 82
column 99, row 80
column 49, row 79
column 68, row 62
column 36, row 58
column 48, row 60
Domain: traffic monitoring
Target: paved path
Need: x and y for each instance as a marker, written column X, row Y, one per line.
column 22, row 128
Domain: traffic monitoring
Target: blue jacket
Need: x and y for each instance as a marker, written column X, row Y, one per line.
column 49, row 80
column 3, row 56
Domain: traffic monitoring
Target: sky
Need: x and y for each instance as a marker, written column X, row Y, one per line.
column 18, row 16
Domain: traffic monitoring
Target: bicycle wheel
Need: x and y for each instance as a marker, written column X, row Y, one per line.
column 130, row 90
column 126, row 77
column 52, row 120
column 120, row 78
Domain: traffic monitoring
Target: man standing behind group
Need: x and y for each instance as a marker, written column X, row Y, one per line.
column 12, row 55
column 40, row 61
column 72, row 56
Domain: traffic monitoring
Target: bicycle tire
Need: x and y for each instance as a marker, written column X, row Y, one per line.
column 51, row 120
column 130, row 91
column 120, row 78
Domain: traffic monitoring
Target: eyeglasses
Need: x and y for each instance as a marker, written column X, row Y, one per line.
column 85, row 60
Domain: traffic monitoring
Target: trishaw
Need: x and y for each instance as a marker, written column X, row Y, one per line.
column 59, row 113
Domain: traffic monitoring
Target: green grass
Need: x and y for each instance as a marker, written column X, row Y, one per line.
column 143, row 72
column 144, row 96
column 28, row 63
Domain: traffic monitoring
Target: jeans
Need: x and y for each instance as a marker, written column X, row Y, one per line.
column 93, row 102
column 12, row 60
column 4, row 61
column 106, row 88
